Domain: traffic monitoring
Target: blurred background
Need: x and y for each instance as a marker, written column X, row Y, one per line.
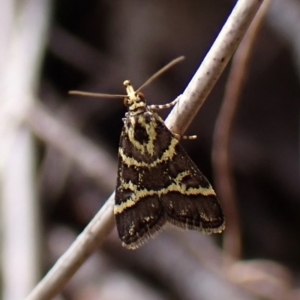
column 55, row 176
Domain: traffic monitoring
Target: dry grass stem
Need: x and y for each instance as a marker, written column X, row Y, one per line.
column 220, row 156
column 22, row 38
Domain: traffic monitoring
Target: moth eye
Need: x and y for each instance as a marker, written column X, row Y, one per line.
column 140, row 95
column 126, row 103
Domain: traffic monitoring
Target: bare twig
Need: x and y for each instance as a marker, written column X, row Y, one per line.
column 213, row 65
column 20, row 65
column 178, row 121
column 220, row 155
column 77, row 254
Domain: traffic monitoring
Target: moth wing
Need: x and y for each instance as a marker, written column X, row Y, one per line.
column 190, row 201
column 138, row 213
column 137, row 224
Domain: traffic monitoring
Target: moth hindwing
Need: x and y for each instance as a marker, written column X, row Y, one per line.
column 157, row 181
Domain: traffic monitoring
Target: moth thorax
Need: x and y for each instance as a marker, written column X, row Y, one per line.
column 136, row 105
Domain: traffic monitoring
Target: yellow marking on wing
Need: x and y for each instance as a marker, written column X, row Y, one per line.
column 132, row 121
column 150, row 130
column 167, row 155
column 130, row 132
column 174, row 187
column 132, row 229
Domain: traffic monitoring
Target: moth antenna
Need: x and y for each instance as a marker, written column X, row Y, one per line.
column 153, row 77
column 162, row 70
column 97, row 95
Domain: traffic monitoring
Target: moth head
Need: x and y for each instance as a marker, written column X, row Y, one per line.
column 134, row 101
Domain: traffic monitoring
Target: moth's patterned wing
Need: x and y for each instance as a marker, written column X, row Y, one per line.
column 158, row 182
column 139, row 212
column 192, row 202
column 137, row 224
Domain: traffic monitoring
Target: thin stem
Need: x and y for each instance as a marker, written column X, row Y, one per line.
column 213, row 65
column 23, row 40
column 220, row 155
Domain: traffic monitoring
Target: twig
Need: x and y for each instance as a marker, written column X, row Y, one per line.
column 26, row 25
column 180, row 118
column 213, row 65
column 85, row 244
column 220, row 155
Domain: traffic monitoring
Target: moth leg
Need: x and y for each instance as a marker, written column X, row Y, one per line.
column 163, row 106
column 185, row 137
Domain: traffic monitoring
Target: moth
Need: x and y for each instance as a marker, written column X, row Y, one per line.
column 157, row 182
